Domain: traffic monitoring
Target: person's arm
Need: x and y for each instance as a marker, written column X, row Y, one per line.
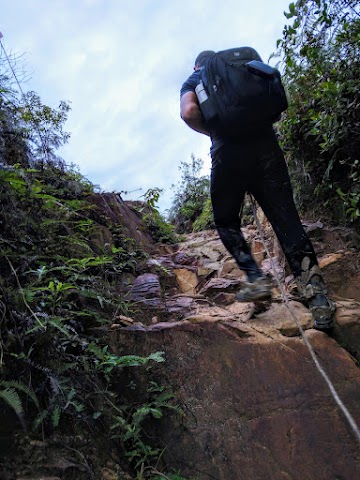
column 191, row 114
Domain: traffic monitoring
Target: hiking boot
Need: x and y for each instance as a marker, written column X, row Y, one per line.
column 313, row 290
column 259, row 289
column 323, row 312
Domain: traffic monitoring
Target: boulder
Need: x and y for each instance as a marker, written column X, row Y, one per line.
column 146, row 286
column 347, row 332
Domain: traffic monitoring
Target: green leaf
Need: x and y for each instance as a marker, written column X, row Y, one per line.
column 56, row 416
column 56, row 322
column 40, row 418
column 157, row 357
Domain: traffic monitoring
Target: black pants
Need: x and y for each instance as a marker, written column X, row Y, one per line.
column 257, row 165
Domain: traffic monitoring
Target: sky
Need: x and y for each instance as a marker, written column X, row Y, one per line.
column 120, row 64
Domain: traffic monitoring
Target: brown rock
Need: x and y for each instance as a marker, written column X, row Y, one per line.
column 279, row 317
column 215, row 285
column 117, row 212
column 179, row 304
column 145, row 286
column 186, row 279
column 182, row 258
column 258, row 250
column 207, row 269
column 230, row 269
column 240, row 309
column 124, row 320
column 347, row 329
column 212, row 251
column 343, row 275
column 224, row 298
column 208, row 312
column 255, row 407
column 329, row 259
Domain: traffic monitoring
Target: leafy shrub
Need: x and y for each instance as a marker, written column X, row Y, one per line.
column 205, row 220
column 190, row 197
column 320, row 132
column 160, row 230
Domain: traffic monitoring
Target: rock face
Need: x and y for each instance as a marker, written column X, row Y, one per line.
column 110, row 208
column 255, row 406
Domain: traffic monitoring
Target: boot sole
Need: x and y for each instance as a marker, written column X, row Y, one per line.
column 324, row 326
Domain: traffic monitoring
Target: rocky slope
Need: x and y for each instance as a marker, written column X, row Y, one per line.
column 255, row 406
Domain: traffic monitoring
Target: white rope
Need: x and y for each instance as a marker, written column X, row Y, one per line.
column 321, row 370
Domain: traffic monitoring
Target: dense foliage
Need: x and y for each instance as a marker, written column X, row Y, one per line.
column 57, row 289
column 320, row 51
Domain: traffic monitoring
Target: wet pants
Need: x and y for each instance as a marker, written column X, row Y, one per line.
column 257, row 165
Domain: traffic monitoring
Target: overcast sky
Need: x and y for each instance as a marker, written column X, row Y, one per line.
column 121, row 64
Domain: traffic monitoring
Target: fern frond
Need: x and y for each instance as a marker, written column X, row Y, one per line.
column 15, row 384
column 96, row 350
column 29, row 294
column 57, row 323
column 12, row 399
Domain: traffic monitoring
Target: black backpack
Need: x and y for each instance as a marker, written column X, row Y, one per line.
column 238, row 91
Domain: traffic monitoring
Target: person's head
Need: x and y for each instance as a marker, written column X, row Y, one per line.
column 201, row 58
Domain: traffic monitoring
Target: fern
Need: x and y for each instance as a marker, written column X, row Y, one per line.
column 56, row 322
column 96, row 350
column 12, row 399
column 29, row 295
column 14, row 384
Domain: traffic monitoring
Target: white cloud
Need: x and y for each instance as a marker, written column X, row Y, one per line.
column 121, row 64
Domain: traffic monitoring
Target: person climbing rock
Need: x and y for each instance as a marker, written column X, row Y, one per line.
column 252, row 161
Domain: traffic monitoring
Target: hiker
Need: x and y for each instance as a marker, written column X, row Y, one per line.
column 252, row 161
